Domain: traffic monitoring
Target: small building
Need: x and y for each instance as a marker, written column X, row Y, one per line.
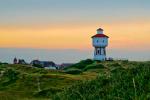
column 21, row 61
column 44, row 64
column 15, row 61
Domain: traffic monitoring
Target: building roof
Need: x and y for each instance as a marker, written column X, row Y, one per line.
column 100, row 35
column 48, row 63
column 44, row 63
column 100, row 29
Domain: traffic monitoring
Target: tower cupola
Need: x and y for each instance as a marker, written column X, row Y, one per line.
column 100, row 31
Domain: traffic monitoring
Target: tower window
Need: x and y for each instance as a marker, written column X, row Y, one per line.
column 98, row 51
column 104, row 51
column 97, row 41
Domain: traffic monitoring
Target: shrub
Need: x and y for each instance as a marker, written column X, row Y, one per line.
column 125, row 61
column 94, row 66
column 11, row 74
column 9, row 77
column 47, row 92
column 37, row 65
column 73, row 71
column 82, row 64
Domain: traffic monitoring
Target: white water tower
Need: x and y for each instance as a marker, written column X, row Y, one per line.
column 100, row 42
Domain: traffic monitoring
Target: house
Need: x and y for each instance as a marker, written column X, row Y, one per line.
column 15, row 61
column 43, row 64
column 21, row 61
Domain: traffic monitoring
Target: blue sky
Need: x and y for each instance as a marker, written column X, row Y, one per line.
column 57, row 11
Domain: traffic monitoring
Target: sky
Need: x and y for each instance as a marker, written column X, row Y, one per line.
column 50, row 29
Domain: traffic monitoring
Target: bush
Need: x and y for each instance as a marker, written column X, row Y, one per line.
column 3, row 63
column 37, row 65
column 47, row 92
column 125, row 61
column 9, row 77
column 82, row 64
column 73, row 71
column 94, row 66
column 11, row 74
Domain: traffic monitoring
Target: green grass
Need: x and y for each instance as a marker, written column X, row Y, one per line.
column 21, row 81
column 86, row 80
column 130, row 83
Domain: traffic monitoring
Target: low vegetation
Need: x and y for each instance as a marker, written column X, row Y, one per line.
column 129, row 83
column 86, row 80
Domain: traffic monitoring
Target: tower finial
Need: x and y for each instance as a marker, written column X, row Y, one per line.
column 100, row 31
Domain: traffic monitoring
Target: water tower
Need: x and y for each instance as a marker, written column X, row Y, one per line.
column 100, row 42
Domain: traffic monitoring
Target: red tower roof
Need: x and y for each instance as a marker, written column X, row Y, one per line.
column 100, row 35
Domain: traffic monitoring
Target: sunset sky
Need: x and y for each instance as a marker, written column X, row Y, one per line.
column 69, row 24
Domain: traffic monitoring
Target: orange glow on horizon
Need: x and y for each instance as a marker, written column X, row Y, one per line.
column 125, row 35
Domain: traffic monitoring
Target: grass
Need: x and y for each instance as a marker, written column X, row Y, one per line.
column 21, row 81
column 131, row 83
column 86, row 80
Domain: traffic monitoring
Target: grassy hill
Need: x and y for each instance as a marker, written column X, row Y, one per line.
column 86, row 80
